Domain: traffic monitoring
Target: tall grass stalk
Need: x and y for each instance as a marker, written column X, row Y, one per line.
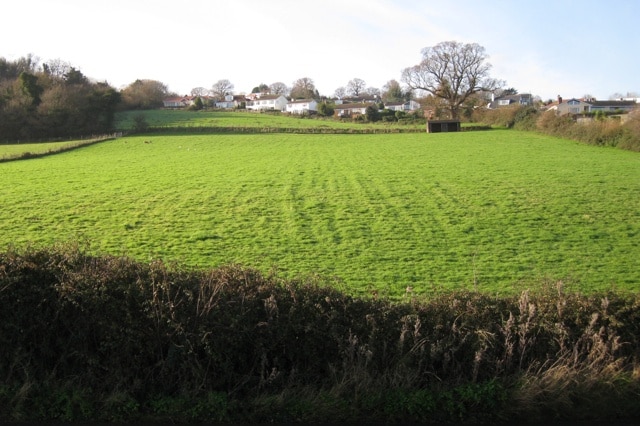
column 107, row 338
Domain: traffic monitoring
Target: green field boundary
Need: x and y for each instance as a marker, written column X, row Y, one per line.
column 293, row 130
column 58, row 149
column 190, row 129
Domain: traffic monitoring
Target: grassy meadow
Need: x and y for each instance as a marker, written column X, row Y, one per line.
column 11, row 151
column 388, row 214
column 244, row 119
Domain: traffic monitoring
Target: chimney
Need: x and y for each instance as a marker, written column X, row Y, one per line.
column 559, row 99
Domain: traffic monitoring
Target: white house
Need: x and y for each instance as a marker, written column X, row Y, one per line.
column 184, row 101
column 402, row 106
column 268, row 102
column 347, row 110
column 230, row 102
column 179, row 102
column 302, row 106
column 523, row 99
column 357, row 100
column 581, row 106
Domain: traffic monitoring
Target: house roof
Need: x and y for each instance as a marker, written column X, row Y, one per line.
column 615, row 103
column 603, row 103
column 512, row 99
column 269, row 97
column 361, row 98
column 301, row 101
column 178, row 98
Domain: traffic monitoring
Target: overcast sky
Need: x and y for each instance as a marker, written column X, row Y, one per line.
column 544, row 47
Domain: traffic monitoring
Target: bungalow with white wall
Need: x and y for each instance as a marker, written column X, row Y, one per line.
column 522, row 99
column 585, row 106
column 403, row 106
column 357, row 100
column 178, row 102
column 302, row 106
column 230, row 102
column 349, row 110
column 267, row 102
column 184, row 101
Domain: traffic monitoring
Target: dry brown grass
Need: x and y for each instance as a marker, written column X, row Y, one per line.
column 81, row 332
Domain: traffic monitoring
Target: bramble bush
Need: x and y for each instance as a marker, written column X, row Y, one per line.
column 601, row 130
column 109, row 339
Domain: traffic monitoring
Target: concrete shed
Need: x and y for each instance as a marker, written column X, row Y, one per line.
column 437, row 126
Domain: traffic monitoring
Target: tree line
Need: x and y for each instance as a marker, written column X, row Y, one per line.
column 52, row 100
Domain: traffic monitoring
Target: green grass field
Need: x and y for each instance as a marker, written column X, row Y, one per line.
column 496, row 211
column 16, row 149
column 186, row 118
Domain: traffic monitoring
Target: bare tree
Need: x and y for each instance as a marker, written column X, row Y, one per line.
column 56, row 67
column 222, row 88
column 340, row 92
column 372, row 91
column 279, row 88
column 199, row 91
column 303, row 88
column 452, row 71
column 356, row 86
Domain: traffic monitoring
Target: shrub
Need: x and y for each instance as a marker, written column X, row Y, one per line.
column 197, row 104
column 553, row 124
column 109, row 339
column 372, row 113
column 325, row 109
column 140, row 124
column 595, row 130
column 630, row 138
column 525, row 118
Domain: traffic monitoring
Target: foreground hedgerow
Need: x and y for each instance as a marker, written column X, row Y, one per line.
column 110, row 339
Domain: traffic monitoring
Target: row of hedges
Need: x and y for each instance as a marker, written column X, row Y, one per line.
column 251, row 130
column 67, row 147
column 110, row 339
column 599, row 130
column 297, row 130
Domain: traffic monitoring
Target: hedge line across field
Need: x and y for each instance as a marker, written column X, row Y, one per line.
column 110, row 339
column 309, row 130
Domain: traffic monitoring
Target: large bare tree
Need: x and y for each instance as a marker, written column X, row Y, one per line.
column 222, row 88
column 356, row 87
column 452, row 71
column 340, row 92
column 199, row 91
column 303, row 88
column 279, row 88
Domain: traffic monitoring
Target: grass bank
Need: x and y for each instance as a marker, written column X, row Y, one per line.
column 25, row 151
